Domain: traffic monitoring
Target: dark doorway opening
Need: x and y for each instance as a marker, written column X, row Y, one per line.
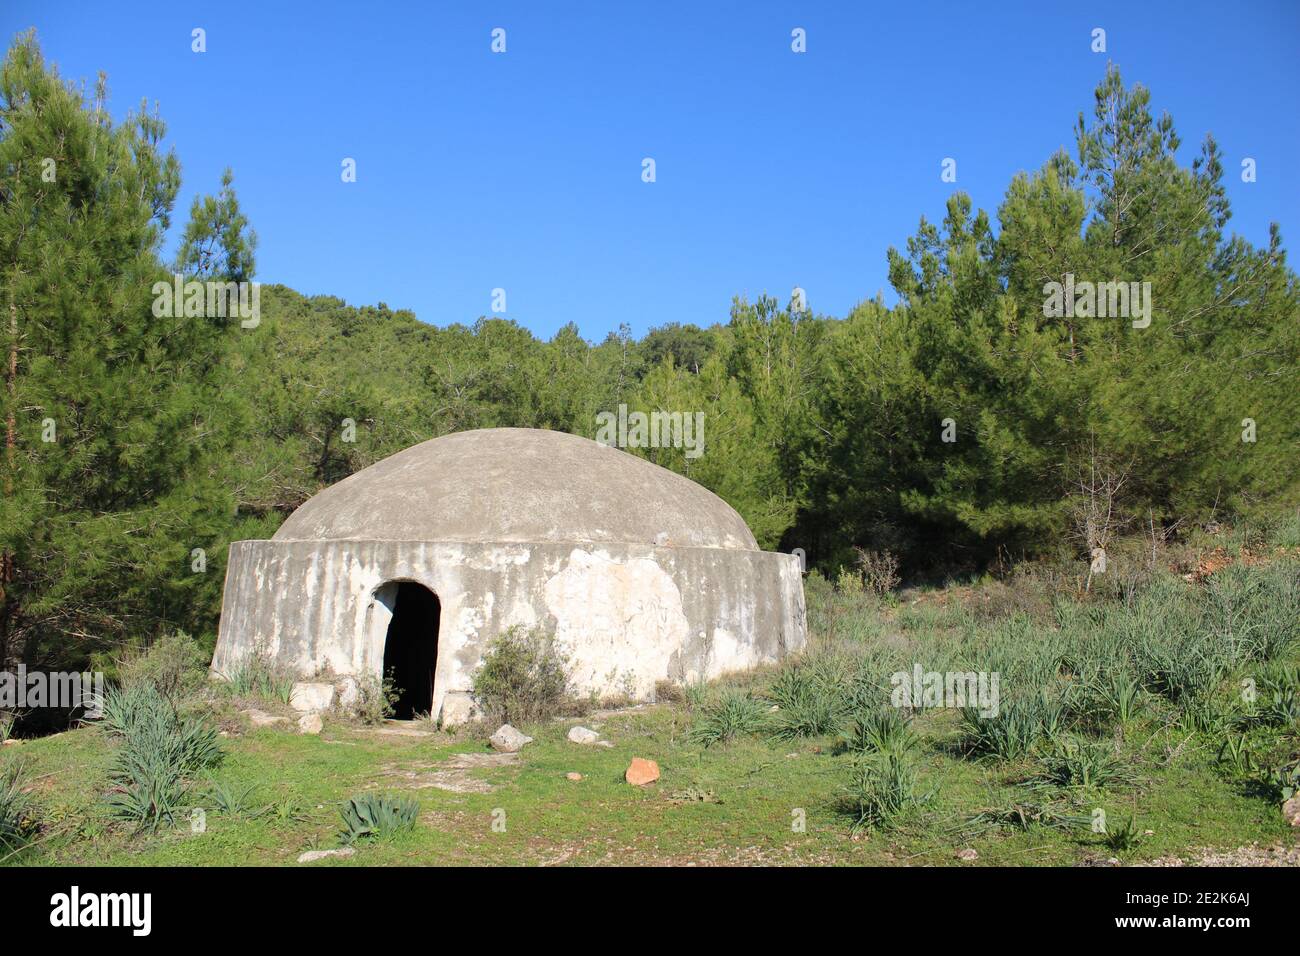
column 411, row 649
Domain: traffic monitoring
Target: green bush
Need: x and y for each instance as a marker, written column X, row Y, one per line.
column 812, row 696
column 732, row 714
column 17, row 812
column 1277, row 702
column 157, row 754
column 879, row 731
column 374, row 816
column 1281, row 783
column 523, row 677
column 174, row 664
column 1074, row 763
column 228, row 800
column 883, row 788
column 1254, row 612
column 849, row 582
column 1123, row 838
column 375, row 699
column 1019, row 725
column 1162, row 653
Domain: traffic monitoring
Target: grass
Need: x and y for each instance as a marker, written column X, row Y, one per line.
column 601, row 820
column 1106, row 707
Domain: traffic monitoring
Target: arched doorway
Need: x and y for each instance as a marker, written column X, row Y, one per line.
column 411, row 649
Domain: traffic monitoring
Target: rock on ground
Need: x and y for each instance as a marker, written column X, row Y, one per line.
column 583, row 735
column 508, row 740
column 641, row 772
column 260, row 718
column 311, row 856
column 307, row 696
column 458, row 707
column 349, row 693
column 310, row 724
column 1291, row 810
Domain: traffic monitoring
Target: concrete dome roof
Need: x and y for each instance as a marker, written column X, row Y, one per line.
column 518, row 485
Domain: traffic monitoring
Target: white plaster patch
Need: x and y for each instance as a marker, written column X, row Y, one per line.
column 619, row 622
column 727, row 653
column 466, row 622
column 498, row 559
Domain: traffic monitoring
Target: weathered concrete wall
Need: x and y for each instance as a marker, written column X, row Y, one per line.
column 629, row 615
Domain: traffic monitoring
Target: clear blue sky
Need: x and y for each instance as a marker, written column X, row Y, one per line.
column 523, row 170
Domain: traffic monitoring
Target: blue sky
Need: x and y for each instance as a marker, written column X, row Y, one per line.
column 522, row 170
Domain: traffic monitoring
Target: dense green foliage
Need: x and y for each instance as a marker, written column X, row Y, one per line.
column 172, row 437
column 116, row 417
column 1078, row 697
column 523, row 677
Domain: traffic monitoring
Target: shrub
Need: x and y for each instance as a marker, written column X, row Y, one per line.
column 1283, row 782
column 879, row 570
column 1278, row 700
column 812, row 699
column 1125, row 837
column 158, row 752
column 1255, row 612
column 1103, row 697
column 1119, row 698
column 1023, row 592
column 375, row 699
column 127, row 707
column 1237, row 754
column 174, row 664
column 882, row 788
column 523, row 677
column 733, row 714
column 849, row 582
column 1082, row 764
column 375, row 816
column 1021, row 722
column 669, row 692
column 17, row 815
column 1203, row 715
column 1179, row 666
column 879, row 731
column 230, row 801
column 697, row 695
column 817, row 589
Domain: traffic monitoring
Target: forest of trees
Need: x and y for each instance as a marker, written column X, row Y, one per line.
column 957, row 427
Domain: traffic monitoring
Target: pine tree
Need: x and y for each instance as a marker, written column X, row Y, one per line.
column 108, row 477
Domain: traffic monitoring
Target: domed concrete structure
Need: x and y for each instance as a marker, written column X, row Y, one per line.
column 413, row 565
